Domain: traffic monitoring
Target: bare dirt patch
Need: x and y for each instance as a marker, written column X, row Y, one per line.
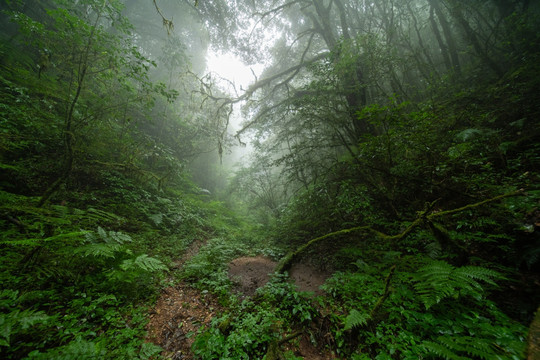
column 307, row 278
column 182, row 310
column 251, row 273
column 176, row 318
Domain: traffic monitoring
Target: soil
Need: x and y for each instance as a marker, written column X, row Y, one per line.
column 308, row 278
column 182, row 310
column 534, row 338
column 176, row 318
column 251, row 273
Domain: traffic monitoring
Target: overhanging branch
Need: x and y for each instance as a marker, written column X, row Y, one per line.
column 423, row 217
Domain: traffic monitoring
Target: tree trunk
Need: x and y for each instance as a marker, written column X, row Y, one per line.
column 447, row 31
column 68, row 124
column 470, row 35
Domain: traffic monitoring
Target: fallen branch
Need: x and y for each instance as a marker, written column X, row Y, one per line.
column 286, row 262
column 383, row 297
column 423, row 218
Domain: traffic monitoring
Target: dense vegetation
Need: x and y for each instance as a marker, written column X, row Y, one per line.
column 396, row 146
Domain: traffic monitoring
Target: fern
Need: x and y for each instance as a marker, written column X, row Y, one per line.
column 465, row 347
column 143, row 262
column 78, row 349
column 17, row 321
column 476, row 347
column 103, row 244
column 99, row 250
column 107, row 237
column 131, row 270
column 440, row 280
column 37, row 241
column 150, row 351
column 118, row 237
column 355, row 319
column 103, row 216
column 156, row 218
column 434, row 249
column 441, row 351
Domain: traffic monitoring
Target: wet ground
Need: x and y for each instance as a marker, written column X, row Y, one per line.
column 182, row 310
column 251, row 273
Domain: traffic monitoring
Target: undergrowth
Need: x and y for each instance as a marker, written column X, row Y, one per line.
column 430, row 309
column 77, row 282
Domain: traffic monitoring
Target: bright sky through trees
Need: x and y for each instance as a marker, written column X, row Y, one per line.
column 230, row 67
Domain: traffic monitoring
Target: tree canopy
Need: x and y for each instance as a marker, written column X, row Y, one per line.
column 392, row 146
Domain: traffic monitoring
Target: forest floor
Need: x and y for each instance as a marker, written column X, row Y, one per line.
column 182, row 310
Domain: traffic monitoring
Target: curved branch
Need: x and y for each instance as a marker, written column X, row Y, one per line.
column 286, row 263
column 168, row 24
column 266, row 81
column 277, row 9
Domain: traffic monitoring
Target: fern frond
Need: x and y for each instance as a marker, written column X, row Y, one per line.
column 355, row 318
column 433, row 283
column 111, row 237
column 99, row 250
column 433, row 249
column 437, row 270
column 150, row 350
column 102, row 234
column 440, row 280
column 148, row 263
column 29, row 318
column 23, row 242
column 479, row 273
column 119, row 237
column 476, row 347
column 156, row 218
column 441, row 351
column 39, row 241
column 143, row 262
column 100, row 215
column 77, row 349
column 11, row 322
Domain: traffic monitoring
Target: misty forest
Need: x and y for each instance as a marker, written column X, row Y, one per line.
column 272, row 179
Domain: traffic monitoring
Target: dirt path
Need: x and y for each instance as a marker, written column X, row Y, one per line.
column 176, row 318
column 182, row 310
column 179, row 313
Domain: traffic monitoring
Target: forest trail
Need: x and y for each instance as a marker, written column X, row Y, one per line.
column 182, row 310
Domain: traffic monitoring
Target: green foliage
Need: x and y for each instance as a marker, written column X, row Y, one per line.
column 363, row 138
column 354, row 319
column 410, row 326
column 440, row 280
column 409, row 329
column 67, row 292
column 208, row 268
column 250, row 327
column 246, row 338
column 15, row 322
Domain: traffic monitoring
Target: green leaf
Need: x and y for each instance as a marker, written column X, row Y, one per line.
column 468, row 134
column 31, row 318
column 355, row 318
column 441, row 351
column 148, row 263
column 440, row 280
column 148, row 350
column 99, row 250
column 37, row 241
